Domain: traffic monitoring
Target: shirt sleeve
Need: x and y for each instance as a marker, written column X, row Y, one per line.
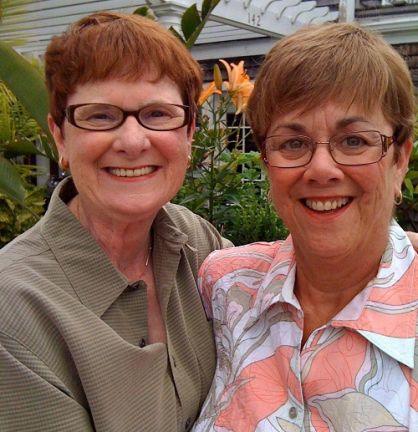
column 32, row 398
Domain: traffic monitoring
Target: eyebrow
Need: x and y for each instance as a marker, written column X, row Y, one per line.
column 350, row 120
column 298, row 127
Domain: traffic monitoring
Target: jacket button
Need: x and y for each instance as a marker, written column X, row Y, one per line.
column 134, row 286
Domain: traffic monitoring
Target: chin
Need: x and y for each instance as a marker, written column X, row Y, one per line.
column 325, row 243
column 137, row 210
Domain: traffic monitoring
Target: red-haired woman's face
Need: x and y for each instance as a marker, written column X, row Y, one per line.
column 129, row 172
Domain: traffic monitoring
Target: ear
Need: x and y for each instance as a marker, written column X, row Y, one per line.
column 190, row 131
column 403, row 161
column 58, row 136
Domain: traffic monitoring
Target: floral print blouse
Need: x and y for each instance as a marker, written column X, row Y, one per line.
column 354, row 374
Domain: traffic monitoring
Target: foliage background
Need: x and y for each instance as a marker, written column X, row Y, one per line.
column 223, row 184
column 18, row 135
column 226, row 186
column 407, row 212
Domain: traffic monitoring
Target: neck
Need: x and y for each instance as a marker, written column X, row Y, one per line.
column 325, row 285
column 127, row 244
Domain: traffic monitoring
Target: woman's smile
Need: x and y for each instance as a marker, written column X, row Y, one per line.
column 326, row 204
column 132, row 172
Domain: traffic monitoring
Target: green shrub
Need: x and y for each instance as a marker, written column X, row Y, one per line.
column 16, row 218
column 407, row 212
column 226, row 186
column 21, row 201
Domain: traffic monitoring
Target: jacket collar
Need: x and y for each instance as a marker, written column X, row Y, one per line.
column 93, row 278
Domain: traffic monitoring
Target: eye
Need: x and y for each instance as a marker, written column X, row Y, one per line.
column 100, row 116
column 357, row 142
column 288, row 144
column 159, row 113
column 354, row 141
column 294, row 144
column 288, row 147
column 96, row 114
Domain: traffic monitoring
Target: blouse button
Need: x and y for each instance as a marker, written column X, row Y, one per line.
column 293, row 413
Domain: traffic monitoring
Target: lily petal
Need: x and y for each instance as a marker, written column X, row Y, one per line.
column 208, row 91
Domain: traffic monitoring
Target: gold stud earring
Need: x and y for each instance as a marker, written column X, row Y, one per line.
column 63, row 163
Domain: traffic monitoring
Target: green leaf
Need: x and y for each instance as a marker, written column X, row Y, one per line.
column 23, row 147
column 206, row 7
column 10, row 181
column 145, row 11
column 190, row 21
column 409, row 186
column 193, row 37
column 177, row 34
column 412, row 175
column 141, row 11
column 26, row 83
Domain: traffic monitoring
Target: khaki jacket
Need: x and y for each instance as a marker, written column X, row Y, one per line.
column 72, row 330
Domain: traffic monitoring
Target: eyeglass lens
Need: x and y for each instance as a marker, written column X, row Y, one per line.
column 160, row 116
column 354, row 148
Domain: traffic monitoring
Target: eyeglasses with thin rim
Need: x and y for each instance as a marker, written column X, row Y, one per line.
column 348, row 148
column 105, row 117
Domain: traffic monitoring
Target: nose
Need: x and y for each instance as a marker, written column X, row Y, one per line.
column 131, row 138
column 322, row 168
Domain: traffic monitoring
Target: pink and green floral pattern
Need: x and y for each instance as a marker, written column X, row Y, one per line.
column 354, row 374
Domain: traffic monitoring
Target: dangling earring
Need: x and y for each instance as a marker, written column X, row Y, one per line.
column 189, row 161
column 398, row 198
column 63, row 163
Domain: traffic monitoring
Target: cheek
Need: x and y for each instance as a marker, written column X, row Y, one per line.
column 282, row 181
column 378, row 186
column 79, row 146
column 176, row 147
column 280, row 189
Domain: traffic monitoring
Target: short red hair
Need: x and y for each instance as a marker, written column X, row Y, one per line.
column 109, row 45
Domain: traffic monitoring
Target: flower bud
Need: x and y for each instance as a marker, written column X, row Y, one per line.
column 217, row 77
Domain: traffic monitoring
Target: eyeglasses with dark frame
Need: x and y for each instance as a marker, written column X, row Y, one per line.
column 106, row 117
column 348, row 149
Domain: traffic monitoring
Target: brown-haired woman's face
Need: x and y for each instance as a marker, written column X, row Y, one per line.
column 332, row 209
column 130, row 171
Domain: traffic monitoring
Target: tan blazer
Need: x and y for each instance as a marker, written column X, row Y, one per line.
column 73, row 353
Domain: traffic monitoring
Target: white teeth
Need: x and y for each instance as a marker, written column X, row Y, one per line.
column 326, row 205
column 122, row 172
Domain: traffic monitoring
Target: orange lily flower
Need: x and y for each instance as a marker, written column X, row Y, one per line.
column 238, row 85
column 208, row 91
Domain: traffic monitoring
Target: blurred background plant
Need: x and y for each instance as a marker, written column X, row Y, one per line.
column 224, row 184
column 23, row 134
column 407, row 212
column 21, row 201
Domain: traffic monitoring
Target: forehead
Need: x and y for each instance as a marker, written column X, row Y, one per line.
column 126, row 92
column 330, row 116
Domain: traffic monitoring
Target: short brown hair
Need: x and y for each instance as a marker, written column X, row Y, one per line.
column 340, row 62
column 107, row 45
